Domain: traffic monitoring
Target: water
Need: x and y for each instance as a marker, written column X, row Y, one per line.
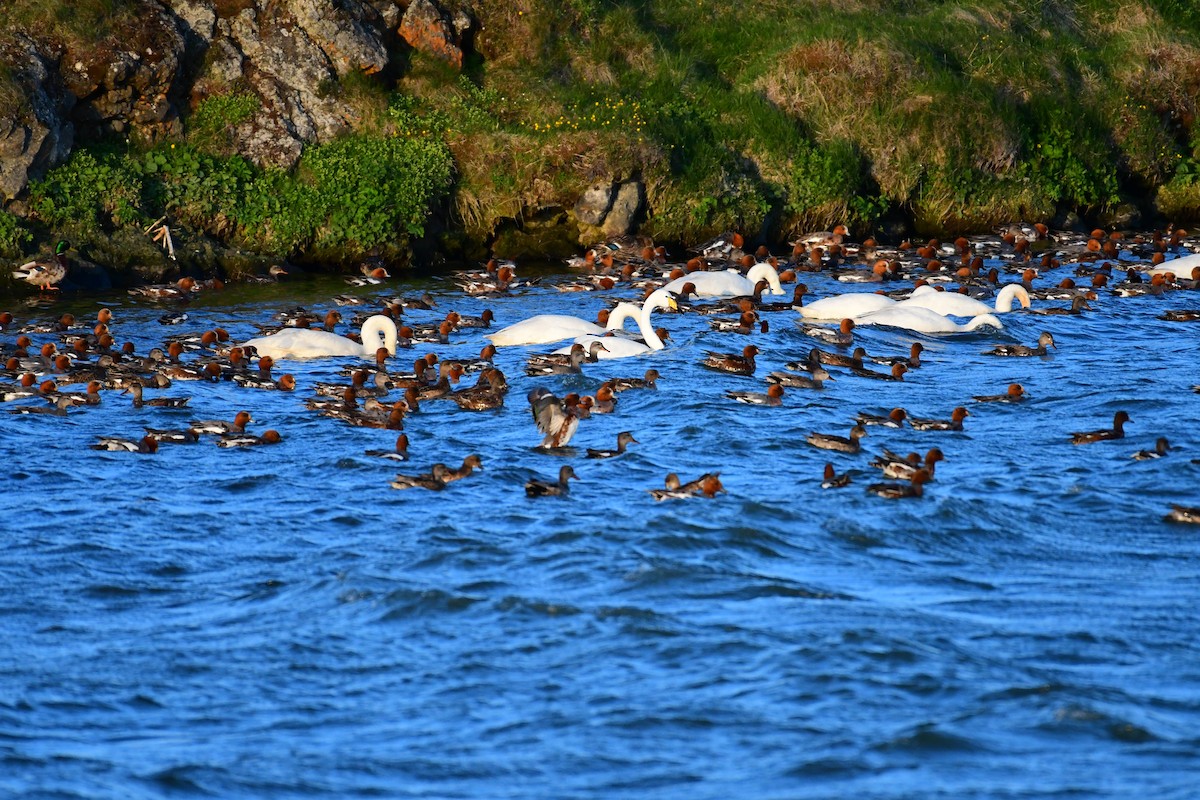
column 278, row 622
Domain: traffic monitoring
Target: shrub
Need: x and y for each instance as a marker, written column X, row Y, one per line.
column 13, row 235
column 97, row 189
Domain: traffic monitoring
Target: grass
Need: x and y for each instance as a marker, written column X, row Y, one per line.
column 75, row 23
column 778, row 116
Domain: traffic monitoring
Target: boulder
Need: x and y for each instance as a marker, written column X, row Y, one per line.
column 627, row 208
column 593, row 205
column 427, row 31
column 36, row 132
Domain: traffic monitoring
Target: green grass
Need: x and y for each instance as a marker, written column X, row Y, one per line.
column 797, row 115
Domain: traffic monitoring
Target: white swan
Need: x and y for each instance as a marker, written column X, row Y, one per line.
column 378, row 331
column 925, row 320
column 960, row 305
column 1182, row 267
column 545, row 328
column 541, row 329
column 851, row 305
column 619, row 346
column 729, row 282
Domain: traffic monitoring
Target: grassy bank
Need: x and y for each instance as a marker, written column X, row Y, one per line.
column 773, row 117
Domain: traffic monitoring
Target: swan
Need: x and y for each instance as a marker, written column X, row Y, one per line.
column 620, row 347
column 846, row 306
column 729, row 282
column 926, row 321
column 545, row 328
column 960, row 305
column 378, row 331
column 1182, row 266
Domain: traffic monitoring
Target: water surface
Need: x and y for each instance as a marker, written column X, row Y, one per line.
column 279, row 622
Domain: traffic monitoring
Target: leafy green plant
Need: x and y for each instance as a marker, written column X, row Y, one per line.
column 213, row 124
column 1068, row 162
column 13, row 235
column 98, row 188
column 375, row 188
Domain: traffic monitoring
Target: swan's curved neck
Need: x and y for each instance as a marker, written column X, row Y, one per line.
column 981, row 320
column 1013, row 291
column 378, row 331
column 622, row 312
column 764, row 271
column 656, row 300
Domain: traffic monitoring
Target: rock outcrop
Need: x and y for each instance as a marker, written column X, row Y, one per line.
column 36, row 131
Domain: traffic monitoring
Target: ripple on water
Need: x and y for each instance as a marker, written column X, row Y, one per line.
column 280, row 622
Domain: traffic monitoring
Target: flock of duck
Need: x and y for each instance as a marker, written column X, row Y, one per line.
column 916, row 288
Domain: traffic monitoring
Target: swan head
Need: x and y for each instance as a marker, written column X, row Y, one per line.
column 661, row 299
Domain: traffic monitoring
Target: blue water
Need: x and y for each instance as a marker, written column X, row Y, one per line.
column 279, row 622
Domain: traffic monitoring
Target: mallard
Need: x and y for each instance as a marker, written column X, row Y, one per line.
column 44, row 273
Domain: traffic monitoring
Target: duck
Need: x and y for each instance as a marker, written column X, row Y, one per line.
column 893, row 419
column 728, row 282
column 1180, row 315
column 1079, row 304
column 912, row 360
column 842, row 444
column 555, row 418
column 1116, row 432
column 955, row 423
column 1046, row 339
column 895, row 374
column 726, row 362
column 180, row 290
column 434, row 480
column 818, row 356
column 831, row 480
column 248, row 440
column 621, row 347
column 1015, row 394
column 814, row 380
column 707, row 485
column 1187, row 515
column 173, row 436
column 484, row 320
column 538, row 361
column 572, row 364
column 114, row 444
column 842, row 337
column 400, row 453
column 896, row 491
column 772, row 397
column 648, row 381
column 487, row 393
column 1161, row 447
column 624, row 439
column 744, row 325
column 851, row 305
column 961, row 305
column 304, row 343
column 45, row 273
column 536, row 487
column 469, row 465
column 218, row 427
column 57, row 408
column 924, row 320
column 903, row 468
column 485, row 360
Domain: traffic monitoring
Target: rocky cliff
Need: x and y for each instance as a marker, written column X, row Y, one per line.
column 143, row 79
